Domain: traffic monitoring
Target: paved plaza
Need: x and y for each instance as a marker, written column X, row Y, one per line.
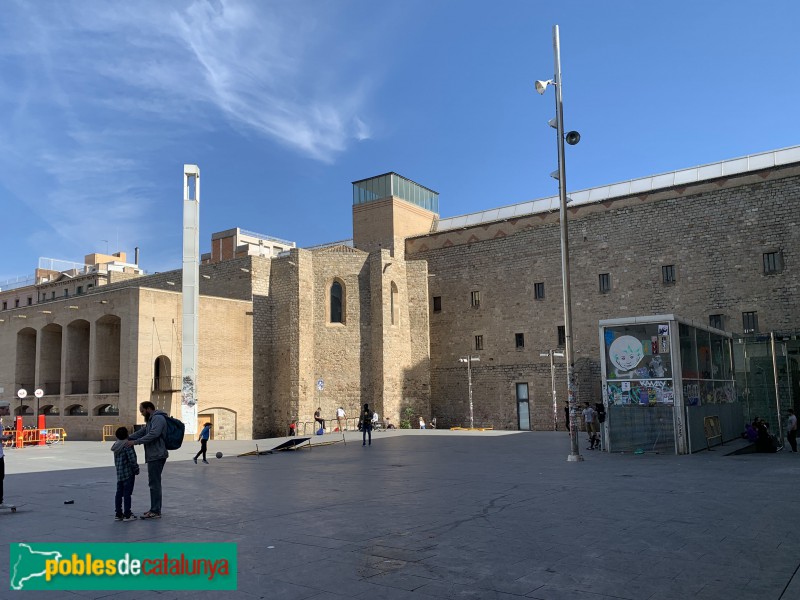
column 438, row 514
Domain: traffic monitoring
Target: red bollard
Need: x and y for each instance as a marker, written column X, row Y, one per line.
column 42, row 431
column 18, row 433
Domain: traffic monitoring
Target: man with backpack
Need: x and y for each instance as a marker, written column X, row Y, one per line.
column 153, row 437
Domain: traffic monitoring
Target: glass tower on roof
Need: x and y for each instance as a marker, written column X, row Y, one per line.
column 392, row 184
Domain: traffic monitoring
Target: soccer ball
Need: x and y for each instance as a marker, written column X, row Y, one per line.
column 219, row 454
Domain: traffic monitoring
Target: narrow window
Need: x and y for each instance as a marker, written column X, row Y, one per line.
column 538, row 291
column 562, row 336
column 437, row 304
column 668, row 274
column 79, row 290
column 750, row 322
column 520, row 340
column 66, row 292
column 478, row 342
column 772, row 262
column 394, row 307
column 16, row 303
column 336, row 302
column 5, row 305
column 605, row 283
column 475, row 299
column 30, row 300
column 53, row 295
column 715, row 321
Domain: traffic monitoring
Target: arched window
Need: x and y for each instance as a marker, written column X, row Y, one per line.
column 337, row 303
column 394, row 307
column 76, row 410
column 107, row 410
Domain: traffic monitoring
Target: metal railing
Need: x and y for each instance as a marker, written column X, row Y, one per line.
column 165, row 383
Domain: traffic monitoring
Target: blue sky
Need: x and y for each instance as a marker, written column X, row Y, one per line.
column 284, row 104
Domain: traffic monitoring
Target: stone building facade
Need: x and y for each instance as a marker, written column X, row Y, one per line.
column 385, row 318
column 721, row 251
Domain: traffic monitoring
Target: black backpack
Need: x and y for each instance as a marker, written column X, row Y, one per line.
column 173, row 433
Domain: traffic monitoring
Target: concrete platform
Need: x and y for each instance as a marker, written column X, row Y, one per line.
column 439, row 514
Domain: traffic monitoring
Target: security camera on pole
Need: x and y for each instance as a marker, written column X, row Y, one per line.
column 572, row 138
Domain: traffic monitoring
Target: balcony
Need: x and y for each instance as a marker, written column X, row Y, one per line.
column 165, row 383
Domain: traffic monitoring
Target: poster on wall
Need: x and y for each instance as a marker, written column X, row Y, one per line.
column 643, row 393
column 625, row 353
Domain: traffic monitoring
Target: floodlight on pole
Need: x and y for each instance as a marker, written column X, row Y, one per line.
column 541, row 86
column 469, row 359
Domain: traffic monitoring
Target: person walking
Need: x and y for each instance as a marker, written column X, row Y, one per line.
column 366, row 425
column 590, row 419
column 791, row 430
column 341, row 418
column 155, row 452
column 127, row 466
column 205, row 433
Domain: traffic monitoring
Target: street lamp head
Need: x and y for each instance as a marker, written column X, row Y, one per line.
column 572, row 137
column 541, row 86
column 553, row 123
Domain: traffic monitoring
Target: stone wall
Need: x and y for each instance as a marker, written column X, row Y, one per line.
column 715, row 235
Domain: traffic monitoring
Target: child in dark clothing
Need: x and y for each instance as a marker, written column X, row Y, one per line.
column 127, row 469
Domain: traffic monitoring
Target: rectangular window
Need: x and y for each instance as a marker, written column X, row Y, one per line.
column 5, row 305
column 605, row 282
column 562, row 336
column 772, row 262
column 16, row 303
column 538, row 291
column 668, row 274
column 79, row 291
column 478, row 342
column 715, row 321
column 520, row 340
column 437, row 304
column 750, row 322
column 66, row 293
column 30, row 300
column 475, row 299
column 53, row 295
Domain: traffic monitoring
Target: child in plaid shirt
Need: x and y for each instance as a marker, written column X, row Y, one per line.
column 127, row 469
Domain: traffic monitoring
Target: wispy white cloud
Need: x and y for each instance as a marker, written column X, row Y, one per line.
column 92, row 92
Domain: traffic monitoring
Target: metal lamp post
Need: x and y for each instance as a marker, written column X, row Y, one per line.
column 552, row 354
column 469, row 359
column 572, row 138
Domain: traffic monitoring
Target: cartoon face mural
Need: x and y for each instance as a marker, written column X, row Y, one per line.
column 625, row 352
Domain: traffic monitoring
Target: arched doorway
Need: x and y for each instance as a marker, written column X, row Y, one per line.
column 223, row 421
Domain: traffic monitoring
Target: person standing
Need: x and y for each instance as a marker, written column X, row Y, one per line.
column 366, row 425
column 3, row 438
column 421, row 422
column 318, row 418
column 791, row 430
column 341, row 418
column 155, row 452
column 127, row 466
column 205, row 433
column 590, row 419
column 566, row 416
